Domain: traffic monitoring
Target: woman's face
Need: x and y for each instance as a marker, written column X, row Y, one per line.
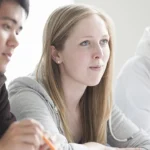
column 86, row 52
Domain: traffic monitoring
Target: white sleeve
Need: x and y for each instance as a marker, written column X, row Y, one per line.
column 124, row 133
column 132, row 93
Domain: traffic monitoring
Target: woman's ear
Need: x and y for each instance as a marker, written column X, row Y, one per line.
column 55, row 55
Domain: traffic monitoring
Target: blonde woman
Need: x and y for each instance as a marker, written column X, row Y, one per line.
column 70, row 92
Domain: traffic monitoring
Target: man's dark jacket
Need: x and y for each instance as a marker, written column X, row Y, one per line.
column 6, row 118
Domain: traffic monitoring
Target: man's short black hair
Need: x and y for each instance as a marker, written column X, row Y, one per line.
column 23, row 3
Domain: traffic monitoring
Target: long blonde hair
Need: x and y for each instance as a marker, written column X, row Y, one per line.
column 96, row 103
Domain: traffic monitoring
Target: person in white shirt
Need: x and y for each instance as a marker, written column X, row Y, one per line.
column 132, row 89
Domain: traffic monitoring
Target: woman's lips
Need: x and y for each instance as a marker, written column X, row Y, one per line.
column 96, row 68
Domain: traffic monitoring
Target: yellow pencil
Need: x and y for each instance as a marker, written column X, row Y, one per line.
column 48, row 142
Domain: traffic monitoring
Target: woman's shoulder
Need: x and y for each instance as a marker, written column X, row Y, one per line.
column 28, row 84
column 24, row 82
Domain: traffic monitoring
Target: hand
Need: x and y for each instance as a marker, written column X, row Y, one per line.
column 23, row 135
column 44, row 147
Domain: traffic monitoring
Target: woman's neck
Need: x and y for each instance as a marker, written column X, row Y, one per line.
column 73, row 92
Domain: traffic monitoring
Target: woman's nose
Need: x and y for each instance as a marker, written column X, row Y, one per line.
column 98, row 53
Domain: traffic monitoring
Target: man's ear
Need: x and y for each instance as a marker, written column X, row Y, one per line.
column 55, row 55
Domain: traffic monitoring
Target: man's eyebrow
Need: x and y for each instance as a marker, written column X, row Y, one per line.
column 12, row 20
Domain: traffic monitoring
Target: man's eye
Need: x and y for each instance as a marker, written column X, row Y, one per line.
column 104, row 42
column 6, row 26
column 85, row 43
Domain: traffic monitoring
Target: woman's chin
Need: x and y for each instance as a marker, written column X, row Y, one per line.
column 94, row 83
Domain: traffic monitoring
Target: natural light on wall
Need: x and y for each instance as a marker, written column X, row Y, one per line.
column 28, row 52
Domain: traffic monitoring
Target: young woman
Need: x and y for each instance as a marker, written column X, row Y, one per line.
column 70, row 93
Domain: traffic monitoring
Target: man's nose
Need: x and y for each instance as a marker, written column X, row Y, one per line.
column 13, row 41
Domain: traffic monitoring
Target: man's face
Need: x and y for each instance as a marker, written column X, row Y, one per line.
column 12, row 16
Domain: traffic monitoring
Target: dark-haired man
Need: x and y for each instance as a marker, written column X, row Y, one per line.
column 25, row 134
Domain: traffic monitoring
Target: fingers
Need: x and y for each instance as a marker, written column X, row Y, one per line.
column 25, row 146
column 27, row 131
column 30, row 139
column 44, row 147
column 25, row 135
column 27, row 126
column 29, row 122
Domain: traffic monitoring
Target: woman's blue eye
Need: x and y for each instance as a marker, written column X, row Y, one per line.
column 85, row 43
column 104, row 42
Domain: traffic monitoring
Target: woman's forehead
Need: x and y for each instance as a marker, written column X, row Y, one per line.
column 90, row 26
